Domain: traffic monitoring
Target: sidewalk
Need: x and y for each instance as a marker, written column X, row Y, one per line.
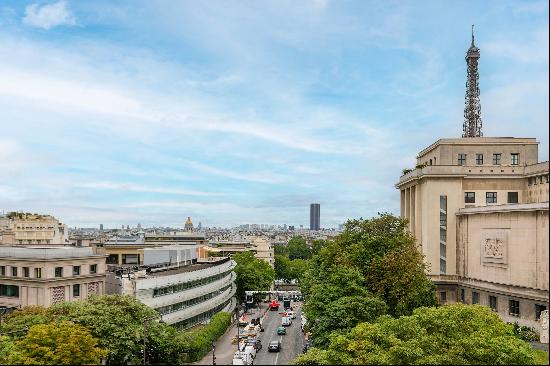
column 224, row 348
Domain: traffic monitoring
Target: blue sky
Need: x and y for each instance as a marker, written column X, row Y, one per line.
column 247, row 111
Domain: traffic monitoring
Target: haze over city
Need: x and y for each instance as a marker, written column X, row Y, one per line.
column 150, row 112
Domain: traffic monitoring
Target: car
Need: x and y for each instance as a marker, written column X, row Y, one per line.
column 286, row 321
column 281, row 331
column 291, row 314
column 274, row 346
column 256, row 343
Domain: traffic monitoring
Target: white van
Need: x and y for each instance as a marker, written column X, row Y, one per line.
column 286, row 321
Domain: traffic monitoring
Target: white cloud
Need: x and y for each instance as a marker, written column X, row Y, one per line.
column 48, row 16
column 533, row 49
column 143, row 188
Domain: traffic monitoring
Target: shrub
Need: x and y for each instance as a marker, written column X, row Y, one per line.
column 200, row 341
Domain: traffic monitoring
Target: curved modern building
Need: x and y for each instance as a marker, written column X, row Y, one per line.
column 183, row 289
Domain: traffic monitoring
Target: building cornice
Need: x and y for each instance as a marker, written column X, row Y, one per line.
column 515, row 207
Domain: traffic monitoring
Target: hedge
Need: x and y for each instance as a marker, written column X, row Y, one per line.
column 200, row 341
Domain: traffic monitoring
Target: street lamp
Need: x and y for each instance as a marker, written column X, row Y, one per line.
column 213, row 354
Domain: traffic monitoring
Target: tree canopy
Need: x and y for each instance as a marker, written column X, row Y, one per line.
column 252, row 274
column 297, row 248
column 63, row 343
column 375, row 265
column 448, row 335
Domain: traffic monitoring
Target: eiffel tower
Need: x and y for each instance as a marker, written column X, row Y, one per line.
column 472, row 109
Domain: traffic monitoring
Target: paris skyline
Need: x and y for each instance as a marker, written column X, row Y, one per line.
column 150, row 112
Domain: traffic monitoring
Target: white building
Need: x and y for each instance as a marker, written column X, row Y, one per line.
column 184, row 289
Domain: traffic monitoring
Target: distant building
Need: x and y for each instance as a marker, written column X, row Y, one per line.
column 139, row 226
column 47, row 275
column 478, row 207
column 259, row 245
column 188, row 225
column 101, row 227
column 183, row 289
column 26, row 228
column 315, row 216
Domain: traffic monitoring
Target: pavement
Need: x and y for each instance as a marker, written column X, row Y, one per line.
column 291, row 344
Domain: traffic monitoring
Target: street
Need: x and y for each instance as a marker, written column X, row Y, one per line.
column 291, row 343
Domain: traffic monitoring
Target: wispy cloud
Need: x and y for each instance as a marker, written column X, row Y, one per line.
column 132, row 187
column 49, row 15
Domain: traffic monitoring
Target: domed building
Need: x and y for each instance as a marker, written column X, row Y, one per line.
column 188, row 224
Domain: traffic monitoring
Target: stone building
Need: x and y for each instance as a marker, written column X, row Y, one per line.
column 25, row 228
column 47, row 275
column 478, row 207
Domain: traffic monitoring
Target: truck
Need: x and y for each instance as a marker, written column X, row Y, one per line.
column 286, row 303
column 274, row 305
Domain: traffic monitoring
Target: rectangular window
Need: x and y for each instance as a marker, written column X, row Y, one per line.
column 14, row 271
column 58, row 271
column 2, row 270
column 443, row 297
column 513, row 307
column 442, row 234
column 539, row 309
column 491, row 197
column 493, row 303
column 479, row 159
column 475, row 297
column 93, row 268
column 496, row 159
column 461, row 159
column 514, row 159
column 112, row 259
column 38, row 273
column 9, row 290
column 512, row 197
column 76, row 290
column 469, row 197
column 76, row 270
column 530, row 181
column 26, row 272
column 462, row 295
column 130, row 259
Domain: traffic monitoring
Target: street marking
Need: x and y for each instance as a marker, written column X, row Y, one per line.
column 278, row 353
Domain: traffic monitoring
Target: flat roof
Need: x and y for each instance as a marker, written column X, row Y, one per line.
column 480, row 141
column 510, row 207
column 46, row 252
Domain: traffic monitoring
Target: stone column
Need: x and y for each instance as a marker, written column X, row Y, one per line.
column 544, row 327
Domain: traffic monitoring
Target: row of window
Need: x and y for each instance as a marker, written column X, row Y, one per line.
column 58, row 272
column 513, row 305
column 514, row 159
column 539, row 179
column 188, row 323
column 126, row 259
column 194, row 301
column 161, row 291
column 13, row 290
column 490, row 197
column 443, row 234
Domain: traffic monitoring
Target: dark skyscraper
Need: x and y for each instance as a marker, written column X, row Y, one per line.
column 314, row 216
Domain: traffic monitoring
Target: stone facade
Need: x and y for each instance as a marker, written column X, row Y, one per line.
column 479, row 210
column 25, row 229
column 44, row 276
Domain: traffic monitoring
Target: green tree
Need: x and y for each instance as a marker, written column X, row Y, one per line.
column 448, row 335
column 316, row 246
column 282, row 268
column 117, row 321
column 65, row 343
column 252, row 274
column 298, row 268
column 297, row 248
column 24, row 319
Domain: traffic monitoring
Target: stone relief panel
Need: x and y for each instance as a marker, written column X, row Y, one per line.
column 494, row 246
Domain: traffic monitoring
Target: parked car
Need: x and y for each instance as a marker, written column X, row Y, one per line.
column 281, row 331
column 291, row 314
column 242, row 358
column 256, row 343
column 274, row 346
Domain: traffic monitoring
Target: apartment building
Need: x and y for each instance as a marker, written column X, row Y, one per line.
column 184, row 289
column 48, row 275
column 26, row 228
